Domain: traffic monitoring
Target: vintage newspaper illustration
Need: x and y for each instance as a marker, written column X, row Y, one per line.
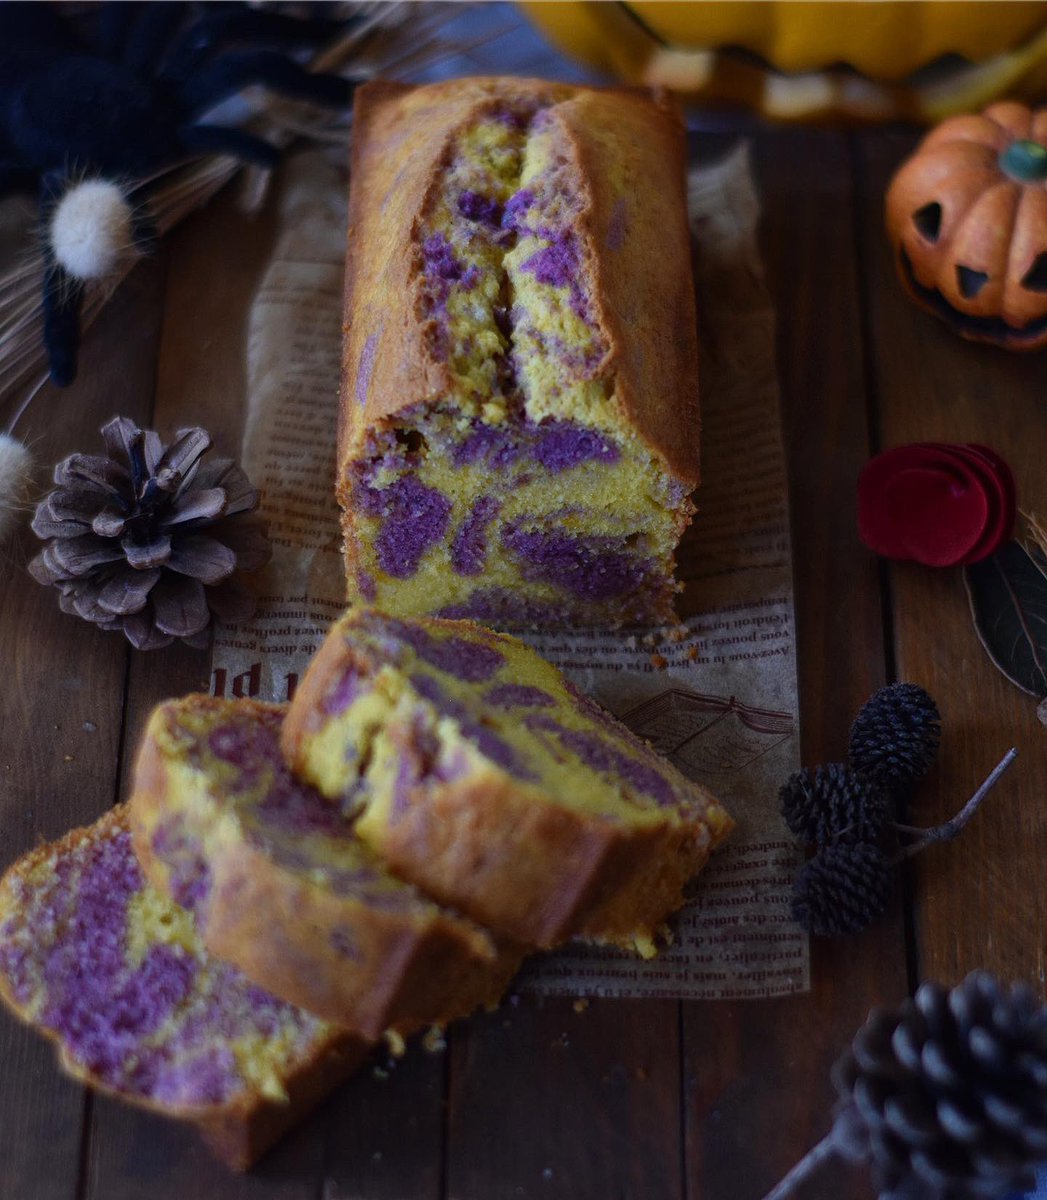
column 718, row 696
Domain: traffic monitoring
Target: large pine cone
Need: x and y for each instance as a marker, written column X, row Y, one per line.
column 947, row 1095
column 150, row 540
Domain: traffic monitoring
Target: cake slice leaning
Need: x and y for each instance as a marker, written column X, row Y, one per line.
column 281, row 886
column 116, row 975
column 477, row 772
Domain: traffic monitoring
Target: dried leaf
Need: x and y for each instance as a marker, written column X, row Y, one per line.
column 1008, row 597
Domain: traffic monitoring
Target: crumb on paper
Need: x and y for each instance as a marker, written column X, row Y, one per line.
column 692, row 653
column 434, row 1040
column 580, row 1005
column 659, row 662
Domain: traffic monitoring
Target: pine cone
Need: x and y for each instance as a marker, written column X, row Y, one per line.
column 843, row 889
column 895, row 735
column 947, row 1095
column 832, row 803
column 149, row 540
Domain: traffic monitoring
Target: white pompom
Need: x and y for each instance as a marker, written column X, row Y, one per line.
column 16, row 465
column 91, row 229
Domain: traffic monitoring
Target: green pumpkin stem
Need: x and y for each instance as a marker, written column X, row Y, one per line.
column 1025, row 161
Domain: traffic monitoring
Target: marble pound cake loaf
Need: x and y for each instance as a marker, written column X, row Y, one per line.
column 280, row 885
column 477, row 772
column 519, row 412
column 115, row 974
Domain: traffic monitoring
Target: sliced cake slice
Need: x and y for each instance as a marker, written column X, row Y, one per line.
column 479, row 773
column 281, row 886
column 114, row 973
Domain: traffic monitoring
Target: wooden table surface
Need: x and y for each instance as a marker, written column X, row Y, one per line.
column 651, row 1100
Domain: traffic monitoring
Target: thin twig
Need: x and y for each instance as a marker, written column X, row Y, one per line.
column 807, row 1165
column 947, row 831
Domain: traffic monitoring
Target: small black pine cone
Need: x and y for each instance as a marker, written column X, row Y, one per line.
column 832, row 803
column 895, row 735
column 947, row 1094
column 843, row 889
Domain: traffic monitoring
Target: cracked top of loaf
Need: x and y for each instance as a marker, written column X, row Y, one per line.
column 517, row 241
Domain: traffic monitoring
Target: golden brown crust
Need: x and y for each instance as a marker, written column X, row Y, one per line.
column 538, row 873
column 643, row 289
column 240, row 1131
column 350, row 963
column 240, row 1138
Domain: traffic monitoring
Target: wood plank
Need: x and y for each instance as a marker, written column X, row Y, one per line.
column 61, row 713
column 551, row 1102
column 757, row 1091
column 977, row 902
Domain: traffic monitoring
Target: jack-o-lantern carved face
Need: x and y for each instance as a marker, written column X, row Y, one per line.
column 967, row 215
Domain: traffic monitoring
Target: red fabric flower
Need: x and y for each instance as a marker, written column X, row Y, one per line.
column 937, row 504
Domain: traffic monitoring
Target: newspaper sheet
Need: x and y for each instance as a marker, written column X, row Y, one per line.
column 718, row 696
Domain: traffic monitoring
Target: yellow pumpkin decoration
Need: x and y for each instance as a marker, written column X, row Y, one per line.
column 967, row 216
column 912, row 59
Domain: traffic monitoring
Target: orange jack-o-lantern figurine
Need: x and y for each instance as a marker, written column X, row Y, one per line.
column 967, row 215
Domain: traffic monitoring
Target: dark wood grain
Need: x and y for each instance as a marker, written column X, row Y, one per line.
column 547, row 1101
column 61, row 715
column 978, row 901
column 756, row 1074
column 645, row 1100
